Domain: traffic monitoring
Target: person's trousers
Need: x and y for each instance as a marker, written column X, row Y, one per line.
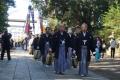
column 112, row 52
column 8, row 54
column 44, row 59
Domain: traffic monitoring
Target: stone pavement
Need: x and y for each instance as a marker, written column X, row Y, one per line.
column 24, row 67
column 110, row 68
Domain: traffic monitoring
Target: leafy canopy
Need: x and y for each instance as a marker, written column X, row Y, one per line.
column 4, row 6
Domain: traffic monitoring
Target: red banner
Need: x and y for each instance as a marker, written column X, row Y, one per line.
column 27, row 27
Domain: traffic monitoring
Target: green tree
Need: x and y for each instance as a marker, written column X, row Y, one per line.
column 52, row 22
column 74, row 11
column 4, row 6
column 111, row 21
column 111, row 18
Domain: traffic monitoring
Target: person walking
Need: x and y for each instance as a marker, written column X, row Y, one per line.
column 70, row 47
column 25, row 43
column 35, row 42
column 61, row 42
column 98, row 46
column 85, row 45
column 6, row 45
column 36, row 48
column 103, row 49
column 45, row 44
column 75, row 52
column 76, row 36
column 112, row 46
column 30, row 45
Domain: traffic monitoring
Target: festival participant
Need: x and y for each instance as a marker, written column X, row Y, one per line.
column 30, row 44
column 70, row 47
column 45, row 44
column 85, row 45
column 75, row 46
column 61, row 42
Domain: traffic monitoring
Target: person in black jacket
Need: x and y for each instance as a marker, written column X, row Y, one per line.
column 61, row 44
column 76, row 54
column 45, row 44
column 6, row 45
column 75, row 38
column 35, row 43
column 71, row 46
column 85, row 45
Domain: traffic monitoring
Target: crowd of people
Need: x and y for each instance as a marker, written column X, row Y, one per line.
column 69, row 47
column 66, row 48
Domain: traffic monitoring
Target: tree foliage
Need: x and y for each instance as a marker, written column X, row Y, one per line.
column 4, row 6
column 111, row 20
column 101, row 15
column 52, row 22
column 74, row 11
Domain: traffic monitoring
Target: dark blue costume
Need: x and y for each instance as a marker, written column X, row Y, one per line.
column 6, row 44
column 61, row 42
column 45, row 43
column 85, row 45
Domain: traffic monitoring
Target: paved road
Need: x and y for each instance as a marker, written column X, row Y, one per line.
column 23, row 67
column 109, row 68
